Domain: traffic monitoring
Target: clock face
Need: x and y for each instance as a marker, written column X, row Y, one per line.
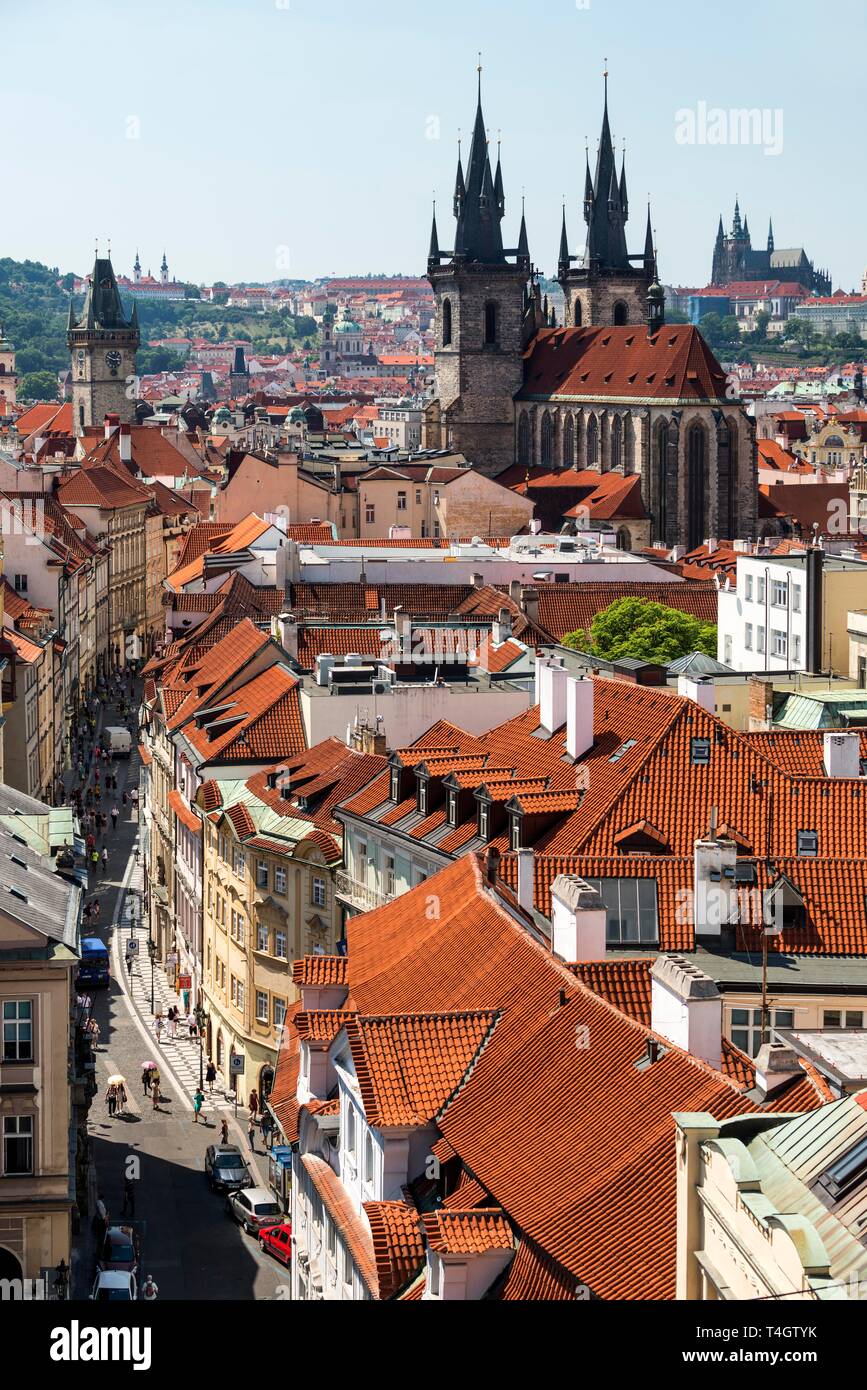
column 80, row 356
column 113, row 360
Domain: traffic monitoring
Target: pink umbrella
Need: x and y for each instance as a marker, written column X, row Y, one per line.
column 148, row 1066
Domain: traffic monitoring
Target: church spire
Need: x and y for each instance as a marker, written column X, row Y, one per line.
column 649, row 253
column 746, row 229
column 606, row 239
column 523, row 239
column 720, row 232
column 499, row 192
column 737, row 230
column 460, row 186
column 770, row 236
column 588, row 187
column 479, row 236
column 624, row 200
column 434, row 252
column 565, row 258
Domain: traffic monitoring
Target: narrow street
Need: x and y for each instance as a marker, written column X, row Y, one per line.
column 190, row 1246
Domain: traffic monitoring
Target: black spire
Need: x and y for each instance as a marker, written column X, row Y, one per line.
column 737, row 230
column 624, row 200
column 720, row 233
column 434, row 252
column 102, row 303
column 606, row 241
column 478, row 236
column 565, row 258
column 746, row 229
column 770, row 236
column 588, row 189
column 649, row 253
column 499, row 192
column 460, row 186
column 523, row 239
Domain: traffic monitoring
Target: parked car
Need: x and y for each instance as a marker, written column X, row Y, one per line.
column 114, row 1286
column 119, row 1250
column 277, row 1241
column 226, row 1168
column 253, row 1209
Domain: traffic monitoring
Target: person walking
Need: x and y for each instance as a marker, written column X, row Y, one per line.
column 224, row 1131
column 149, row 1288
column 251, row 1134
column 114, row 815
column 191, row 1024
column 198, row 1102
column 128, row 1197
column 94, row 860
column 146, row 1081
column 210, row 1075
column 253, row 1103
column 159, row 1024
column 265, row 1126
column 155, row 1082
column 111, row 1101
column 155, row 1094
column 104, row 859
column 121, row 1098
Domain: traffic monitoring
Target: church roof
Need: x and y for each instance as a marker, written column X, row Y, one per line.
column 622, row 363
column 103, row 307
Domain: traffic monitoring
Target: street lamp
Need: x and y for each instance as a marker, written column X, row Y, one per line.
column 152, row 951
column 201, row 1018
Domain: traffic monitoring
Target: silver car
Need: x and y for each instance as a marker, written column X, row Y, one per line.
column 253, row 1208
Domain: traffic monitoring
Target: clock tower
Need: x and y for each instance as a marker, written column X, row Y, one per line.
column 102, row 343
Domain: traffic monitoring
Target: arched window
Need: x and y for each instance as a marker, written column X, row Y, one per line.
column 577, row 313
column 628, row 445
column 727, row 473
column 447, row 322
column 624, row 539
column 569, row 442
column 491, row 324
column 547, row 440
column 592, row 442
column 662, row 483
column 696, row 507
column 524, row 439
column 621, row 313
column 616, row 442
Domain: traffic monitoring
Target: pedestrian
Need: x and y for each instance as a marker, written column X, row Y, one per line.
column 96, row 909
column 149, row 1288
column 210, row 1075
column 111, row 1101
column 198, row 1102
column 158, row 1026
column 253, row 1103
column 155, row 1094
column 265, row 1126
column 191, row 1023
column 100, row 1218
column 146, row 1081
column 128, row 1197
column 173, row 1023
column 224, row 1131
column 121, row 1098
column 94, row 860
column 104, row 859
column 123, row 796
column 251, row 1134
column 114, row 815
column 155, row 1081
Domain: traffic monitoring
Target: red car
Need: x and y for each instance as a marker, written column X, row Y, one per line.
column 277, row 1240
column 119, row 1250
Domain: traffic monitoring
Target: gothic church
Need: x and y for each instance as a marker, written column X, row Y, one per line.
column 613, row 389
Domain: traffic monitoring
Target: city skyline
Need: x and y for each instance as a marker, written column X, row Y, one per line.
column 240, row 180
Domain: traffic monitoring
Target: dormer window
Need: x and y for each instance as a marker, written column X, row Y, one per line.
column 453, row 808
column 700, row 752
column 395, row 785
column 484, row 820
column 808, row 844
column 515, row 832
column 421, row 796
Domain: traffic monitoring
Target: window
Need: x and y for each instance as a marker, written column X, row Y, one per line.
column 453, row 808
column 630, row 905
column 279, row 1012
column 237, row 927
column 17, row 1145
column 350, row 1128
column 370, row 513
column 279, row 880
column 746, row 1027
column 401, row 502
column 700, row 754
column 761, row 586
column 418, row 496
column 779, row 643
column 447, row 322
column 491, row 325
column 760, row 645
column 748, row 636
column 239, row 862
column 832, row 1018
column 319, row 892
column 261, row 1006
column 361, row 857
column 749, row 588
column 395, row 786
column 796, row 598
column 808, row 844
column 796, row 649
column 515, row 833
column 347, row 1266
column 331, row 1238
column 262, row 877
column 21, row 583
column 483, row 821
column 854, row 1019
column 779, row 593
column 17, row 1030
column 368, row 1157
column 262, row 938
column 388, row 875
column 280, row 945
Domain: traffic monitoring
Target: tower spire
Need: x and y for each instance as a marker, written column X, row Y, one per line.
column 434, row 252
column 523, row 239
column 565, row 258
column 588, row 185
column 770, row 235
column 649, row 252
column 624, row 199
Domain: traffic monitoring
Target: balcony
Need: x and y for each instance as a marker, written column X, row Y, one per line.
column 358, row 895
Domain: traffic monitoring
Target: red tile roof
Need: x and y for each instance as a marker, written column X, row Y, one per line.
column 589, row 364
column 319, row 970
column 397, row 1244
column 468, row 1232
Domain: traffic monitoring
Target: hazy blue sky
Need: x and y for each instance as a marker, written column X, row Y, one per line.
column 300, row 131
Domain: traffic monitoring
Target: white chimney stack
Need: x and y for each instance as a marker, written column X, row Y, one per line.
column 578, row 920
column 842, row 754
column 715, row 899
column 501, row 628
column 776, row 1066
column 579, row 716
column 702, row 692
column 686, row 1008
column 552, row 696
column 125, row 444
column 526, row 878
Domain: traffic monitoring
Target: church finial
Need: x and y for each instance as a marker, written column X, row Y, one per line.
column 649, row 252
column 624, row 199
column 588, row 185
column 565, row 258
column 770, row 235
column 434, row 252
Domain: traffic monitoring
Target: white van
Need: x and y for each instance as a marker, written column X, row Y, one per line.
column 118, row 742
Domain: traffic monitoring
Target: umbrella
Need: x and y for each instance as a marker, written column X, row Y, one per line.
column 148, row 1066
column 117, row 1081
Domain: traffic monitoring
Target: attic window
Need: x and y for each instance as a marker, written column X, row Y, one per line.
column 14, row 892
column 808, row 844
column 838, row 1180
column 700, row 752
column 623, row 750
column 395, row 786
column 453, row 808
column 22, row 863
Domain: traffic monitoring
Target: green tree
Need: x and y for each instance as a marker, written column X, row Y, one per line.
column 760, row 328
column 647, row 631
column 39, row 386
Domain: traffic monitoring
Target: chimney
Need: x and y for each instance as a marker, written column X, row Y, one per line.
column 125, row 444
column 711, row 544
column 535, row 527
column 492, row 865
column 842, row 754
column 526, row 878
column 578, row 920
column 285, row 629
column 579, row 716
column 715, row 899
column 501, row 629
column 776, row 1065
column 515, row 591
column 686, row 1008
column 110, row 422
column 477, row 581
column 703, row 692
column 552, row 696
column 530, row 604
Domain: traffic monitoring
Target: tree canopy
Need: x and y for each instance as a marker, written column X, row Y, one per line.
column 647, row 631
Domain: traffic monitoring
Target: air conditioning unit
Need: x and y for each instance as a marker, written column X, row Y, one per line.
column 381, row 687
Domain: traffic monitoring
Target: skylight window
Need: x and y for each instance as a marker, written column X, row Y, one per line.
column 846, row 1173
column 808, row 843
column 623, row 750
column 700, row 752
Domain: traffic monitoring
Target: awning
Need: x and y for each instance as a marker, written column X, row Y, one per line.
column 184, row 815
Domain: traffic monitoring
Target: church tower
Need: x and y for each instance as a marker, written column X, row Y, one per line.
column 8, row 374
column 102, row 343
column 136, row 270
column 486, row 313
column 608, row 284
column 164, row 271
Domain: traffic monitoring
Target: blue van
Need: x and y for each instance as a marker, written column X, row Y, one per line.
column 93, row 969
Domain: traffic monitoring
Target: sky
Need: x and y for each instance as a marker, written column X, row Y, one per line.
column 259, row 139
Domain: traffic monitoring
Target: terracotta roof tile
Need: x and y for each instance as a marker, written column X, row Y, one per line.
column 397, row 1244
column 472, row 1232
column 319, row 970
